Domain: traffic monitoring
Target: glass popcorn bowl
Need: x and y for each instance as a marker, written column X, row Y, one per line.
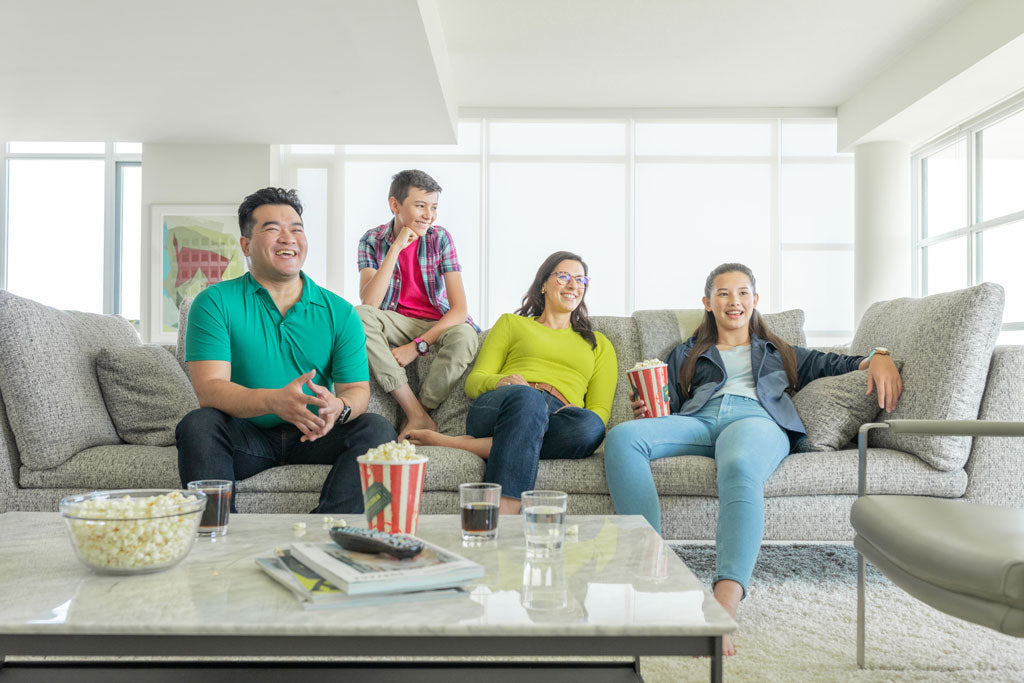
column 133, row 531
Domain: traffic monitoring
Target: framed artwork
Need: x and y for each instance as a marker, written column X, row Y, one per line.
column 194, row 245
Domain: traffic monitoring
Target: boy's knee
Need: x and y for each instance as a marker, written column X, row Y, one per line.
column 370, row 315
column 461, row 336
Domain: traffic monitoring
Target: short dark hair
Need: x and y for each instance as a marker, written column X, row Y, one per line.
column 268, row 195
column 403, row 180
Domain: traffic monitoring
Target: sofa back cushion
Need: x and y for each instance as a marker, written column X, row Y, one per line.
column 622, row 333
column 661, row 331
column 945, row 342
column 48, row 376
column 146, row 393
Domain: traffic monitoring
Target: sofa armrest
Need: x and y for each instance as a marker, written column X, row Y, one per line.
column 932, row 427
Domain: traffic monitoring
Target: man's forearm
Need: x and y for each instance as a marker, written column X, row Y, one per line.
column 234, row 399
column 356, row 398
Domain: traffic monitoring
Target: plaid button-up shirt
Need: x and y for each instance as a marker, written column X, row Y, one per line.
column 435, row 252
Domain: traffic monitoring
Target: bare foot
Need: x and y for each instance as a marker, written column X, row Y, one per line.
column 418, row 422
column 428, row 437
column 728, row 593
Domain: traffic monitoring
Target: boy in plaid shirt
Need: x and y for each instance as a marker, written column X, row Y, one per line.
column 413, row 299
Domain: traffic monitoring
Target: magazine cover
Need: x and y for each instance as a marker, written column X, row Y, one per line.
column 315, row 592
column 358, row 573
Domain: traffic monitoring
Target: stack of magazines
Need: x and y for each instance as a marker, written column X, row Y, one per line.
column 327, row 575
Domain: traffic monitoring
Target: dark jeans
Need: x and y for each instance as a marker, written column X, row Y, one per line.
column 526, row 428
column 214, row 445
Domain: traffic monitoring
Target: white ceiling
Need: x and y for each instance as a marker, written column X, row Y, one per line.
column 677, row 53
column 374, row 71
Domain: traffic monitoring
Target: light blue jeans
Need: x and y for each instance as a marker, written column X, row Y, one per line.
column 747, row 445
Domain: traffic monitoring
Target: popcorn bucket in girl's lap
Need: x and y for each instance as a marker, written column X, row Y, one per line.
column 649, row 381
column 392, row 478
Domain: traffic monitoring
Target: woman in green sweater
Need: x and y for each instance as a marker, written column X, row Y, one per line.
column 543, row 383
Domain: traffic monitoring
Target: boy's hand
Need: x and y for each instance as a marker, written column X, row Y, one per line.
column 639, row 409
column 406, row 236
column 405, row 354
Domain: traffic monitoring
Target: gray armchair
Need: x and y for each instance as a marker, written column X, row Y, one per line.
column 964, row 559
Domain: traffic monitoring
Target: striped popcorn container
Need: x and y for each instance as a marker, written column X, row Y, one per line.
column 392, row 492
column 651, row 385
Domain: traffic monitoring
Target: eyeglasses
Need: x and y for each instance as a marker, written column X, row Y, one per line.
column 563, row 278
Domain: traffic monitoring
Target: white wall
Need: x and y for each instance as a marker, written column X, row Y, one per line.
column 196, row 174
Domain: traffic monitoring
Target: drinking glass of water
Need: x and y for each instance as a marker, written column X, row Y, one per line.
column 544, row 520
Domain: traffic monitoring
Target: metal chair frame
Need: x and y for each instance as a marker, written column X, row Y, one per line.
column 930, row 427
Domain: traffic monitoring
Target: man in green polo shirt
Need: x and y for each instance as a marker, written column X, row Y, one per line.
column 263, row 351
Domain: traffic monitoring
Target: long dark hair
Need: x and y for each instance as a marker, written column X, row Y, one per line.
column 533, row 300
column 707, row 333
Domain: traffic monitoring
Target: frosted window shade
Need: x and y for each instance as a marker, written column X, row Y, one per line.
column 537, row 209
column 131, row 242
column 1002, row 168
column 313, row 189
column 55, row 232
column 945, row 202
column 946, row 266
column 704, row 139
column 571, row 138
column 817, row 203
column 818, row 282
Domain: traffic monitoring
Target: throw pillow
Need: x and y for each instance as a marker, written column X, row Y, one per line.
column 833, row 409
column 946, row 342
column 48, row 378
column 146, row 392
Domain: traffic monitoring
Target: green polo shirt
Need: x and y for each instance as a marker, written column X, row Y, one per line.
column 237, row 321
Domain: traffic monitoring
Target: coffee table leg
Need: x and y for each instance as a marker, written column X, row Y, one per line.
column 716, row 661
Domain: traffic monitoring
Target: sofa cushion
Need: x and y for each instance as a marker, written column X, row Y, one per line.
column 146, row 393
column 48, row 375
column 661, row 331
column 833, row 409
column 946, row 342
column 622, row 333
column 110, row 467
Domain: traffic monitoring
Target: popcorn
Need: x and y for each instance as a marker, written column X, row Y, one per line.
column 133, row 533
column 329, row 522
column 299, row 529
column 573, row 530
column 647, row 364
column 392, row 452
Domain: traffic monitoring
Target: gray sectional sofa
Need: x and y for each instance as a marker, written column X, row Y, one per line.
column 85, row 405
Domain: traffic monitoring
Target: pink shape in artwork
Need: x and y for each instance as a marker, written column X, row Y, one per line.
column 190, row 260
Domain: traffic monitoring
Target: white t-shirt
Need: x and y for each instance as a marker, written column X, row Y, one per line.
column 739, row 376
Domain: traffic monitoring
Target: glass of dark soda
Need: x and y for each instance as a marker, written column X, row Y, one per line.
column 214, row 521
column 478, row 503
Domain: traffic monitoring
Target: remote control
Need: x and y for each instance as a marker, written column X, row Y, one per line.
column 372, row 541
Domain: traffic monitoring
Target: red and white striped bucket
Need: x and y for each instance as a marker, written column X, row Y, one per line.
column 392, row 492
column 651, row 385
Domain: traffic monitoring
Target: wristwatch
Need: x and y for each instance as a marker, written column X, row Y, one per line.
column 345, row 412
column 879, row 351
column 421, row 346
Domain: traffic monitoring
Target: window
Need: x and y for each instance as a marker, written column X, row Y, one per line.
column 651, row 205
column 969, row 217
column 60, row 244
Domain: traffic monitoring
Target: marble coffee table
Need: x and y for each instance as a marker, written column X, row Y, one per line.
column 616, row 591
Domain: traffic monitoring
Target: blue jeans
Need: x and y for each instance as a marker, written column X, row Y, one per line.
column 214, row 445
column 528, row 424
column 747, row 446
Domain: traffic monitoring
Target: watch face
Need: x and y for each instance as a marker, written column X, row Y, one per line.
column 422, row 346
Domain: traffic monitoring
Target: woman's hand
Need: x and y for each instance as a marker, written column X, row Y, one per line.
column 639, row 409
column 883, row 376
column 511, row 379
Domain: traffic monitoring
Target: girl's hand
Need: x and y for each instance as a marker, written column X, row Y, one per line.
column 885, row 378
column 639, row 409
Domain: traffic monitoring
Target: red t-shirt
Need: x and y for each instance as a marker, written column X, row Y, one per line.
column 412, row 299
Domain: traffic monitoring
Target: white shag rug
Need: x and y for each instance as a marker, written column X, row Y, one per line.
column 799, row 623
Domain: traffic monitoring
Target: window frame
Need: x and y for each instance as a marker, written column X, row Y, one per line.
column 971, row 132
column 774, row 159
column 112, row 246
